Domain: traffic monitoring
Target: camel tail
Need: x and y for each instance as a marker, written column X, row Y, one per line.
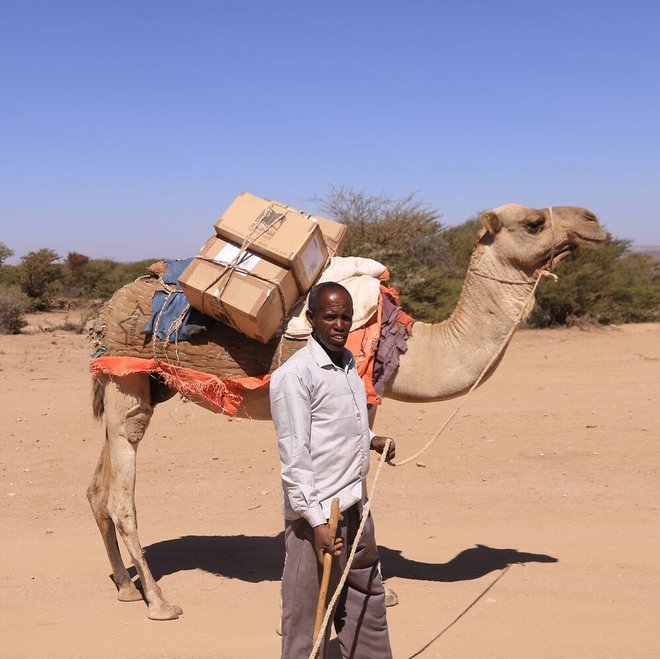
column 97, row 398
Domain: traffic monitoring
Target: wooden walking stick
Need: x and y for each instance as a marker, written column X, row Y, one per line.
column 333, row 522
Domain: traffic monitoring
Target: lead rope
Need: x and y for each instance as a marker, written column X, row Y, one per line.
column 365, row 513
column 542, row 274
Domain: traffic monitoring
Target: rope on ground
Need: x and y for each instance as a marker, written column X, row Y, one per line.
column 462, row 613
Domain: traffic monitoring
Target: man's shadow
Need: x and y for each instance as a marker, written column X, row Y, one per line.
column 260, row 558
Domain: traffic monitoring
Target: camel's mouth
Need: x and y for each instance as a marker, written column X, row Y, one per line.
column 577, row 242
column 558, row 258
column 588, row 234
column 585, row 232
column 589, row 242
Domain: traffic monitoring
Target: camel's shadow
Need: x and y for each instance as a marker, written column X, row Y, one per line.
column 471, row 563
column 260, row 558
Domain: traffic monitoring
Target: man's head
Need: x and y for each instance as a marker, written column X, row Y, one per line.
column 330, row 313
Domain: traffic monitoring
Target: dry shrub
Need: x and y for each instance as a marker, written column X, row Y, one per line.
column 14, row 303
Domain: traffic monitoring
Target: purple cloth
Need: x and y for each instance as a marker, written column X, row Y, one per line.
column 392, row 344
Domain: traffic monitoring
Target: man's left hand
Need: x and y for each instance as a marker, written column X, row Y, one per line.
column 378, row 445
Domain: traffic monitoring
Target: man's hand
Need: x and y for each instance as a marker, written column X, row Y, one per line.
column 378, row 445
column 324, row 543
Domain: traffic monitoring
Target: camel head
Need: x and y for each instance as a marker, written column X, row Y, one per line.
column 529, row 239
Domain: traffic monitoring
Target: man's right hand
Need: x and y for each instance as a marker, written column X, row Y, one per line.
column 324, row 543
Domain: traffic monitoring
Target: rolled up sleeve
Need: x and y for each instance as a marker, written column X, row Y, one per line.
column 290, row 405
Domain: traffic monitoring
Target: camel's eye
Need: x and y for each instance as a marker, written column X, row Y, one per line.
column 535, row 226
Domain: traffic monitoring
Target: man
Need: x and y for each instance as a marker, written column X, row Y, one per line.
column 319, row 407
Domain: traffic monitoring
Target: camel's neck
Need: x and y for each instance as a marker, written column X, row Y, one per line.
column 445, row 359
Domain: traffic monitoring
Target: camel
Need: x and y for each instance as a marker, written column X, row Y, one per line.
column 443, row 361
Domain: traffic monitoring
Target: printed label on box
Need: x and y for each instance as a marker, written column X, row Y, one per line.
column 229, row 253
column 271, row 216
column 265, row 226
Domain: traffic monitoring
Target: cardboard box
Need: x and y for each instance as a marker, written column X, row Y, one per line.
column 278, row 232
column 253, row 296
column 333, row 234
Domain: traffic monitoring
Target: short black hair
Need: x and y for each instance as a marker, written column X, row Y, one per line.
column 315, row 293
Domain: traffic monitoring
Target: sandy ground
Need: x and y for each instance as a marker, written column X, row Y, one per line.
column 530, row 529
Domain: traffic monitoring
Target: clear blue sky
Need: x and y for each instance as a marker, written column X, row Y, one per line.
column 126, row 127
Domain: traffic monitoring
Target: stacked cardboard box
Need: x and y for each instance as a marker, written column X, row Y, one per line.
column 251, row 294
column 264, row 257
column 278, row 232
column 333, row 234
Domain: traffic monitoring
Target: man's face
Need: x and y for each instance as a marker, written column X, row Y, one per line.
column 332, row 322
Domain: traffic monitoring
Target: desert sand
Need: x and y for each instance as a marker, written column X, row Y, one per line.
column 529, row 529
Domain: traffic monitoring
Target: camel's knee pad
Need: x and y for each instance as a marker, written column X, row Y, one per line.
column 136, row 422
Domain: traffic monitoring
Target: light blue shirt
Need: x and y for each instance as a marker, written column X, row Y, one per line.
column 320, row 415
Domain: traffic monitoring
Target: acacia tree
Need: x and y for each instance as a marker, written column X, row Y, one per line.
column 75, row 267
column 40, row 276
column 5, row 253
column 402, row 234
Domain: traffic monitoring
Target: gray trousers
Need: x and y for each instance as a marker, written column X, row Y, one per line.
column 359, row 617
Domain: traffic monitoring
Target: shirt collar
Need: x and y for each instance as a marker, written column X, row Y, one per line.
column 322, row 358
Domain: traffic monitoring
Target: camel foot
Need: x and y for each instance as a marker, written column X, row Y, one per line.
column 164, row 611
column 129, row 593
column 391, row 598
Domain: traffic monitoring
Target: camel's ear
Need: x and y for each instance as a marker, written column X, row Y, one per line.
column 491, row 222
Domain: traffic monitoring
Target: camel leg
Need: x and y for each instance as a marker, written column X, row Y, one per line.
column 128, row 411
column 97, row 494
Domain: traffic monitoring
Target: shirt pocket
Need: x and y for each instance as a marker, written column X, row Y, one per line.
column 336, row 415
column 344, row 405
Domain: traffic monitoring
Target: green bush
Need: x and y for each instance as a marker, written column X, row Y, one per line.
column 102, row 277
column 605, row 285
column 5, row 253
column 14, row 303
column 8, row 273
column 437, row 298
column 40, row 277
